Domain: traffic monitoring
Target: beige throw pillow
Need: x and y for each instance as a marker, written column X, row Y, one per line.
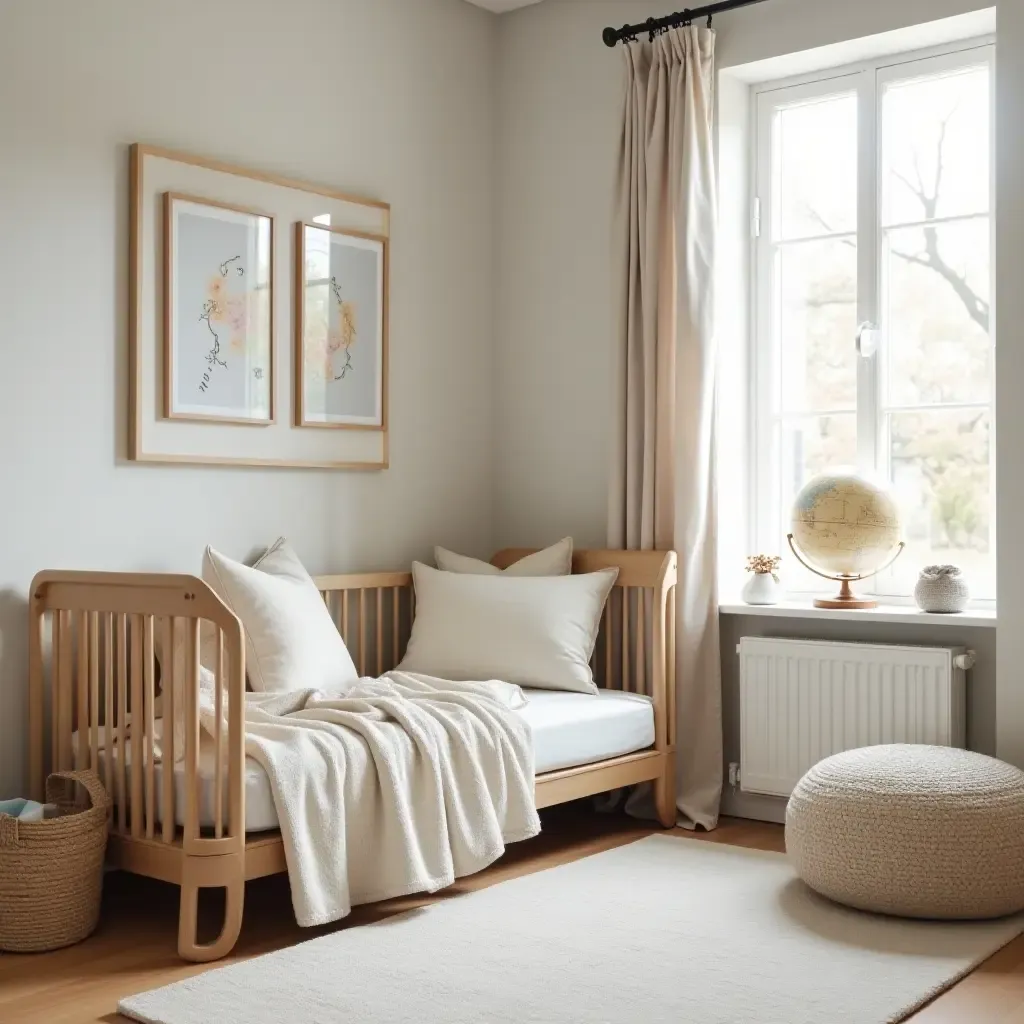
column 533, row 631
column 553, row 561
column 291, row 640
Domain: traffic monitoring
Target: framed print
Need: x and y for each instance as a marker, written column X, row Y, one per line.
column 341, row 331
column 218, row 312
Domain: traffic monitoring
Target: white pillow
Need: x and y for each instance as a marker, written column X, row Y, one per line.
column 208, row 632
column 553, row 561
column 291, row 641
column 533, row 631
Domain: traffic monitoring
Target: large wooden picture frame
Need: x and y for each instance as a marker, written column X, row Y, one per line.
column 153, row 435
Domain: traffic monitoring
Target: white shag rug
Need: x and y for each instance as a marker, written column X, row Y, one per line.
column 666, row 931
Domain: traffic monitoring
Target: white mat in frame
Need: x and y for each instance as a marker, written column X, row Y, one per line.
column 153, row 438
column 666, row 931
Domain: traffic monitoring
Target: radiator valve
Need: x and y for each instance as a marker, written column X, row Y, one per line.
column 965, row 660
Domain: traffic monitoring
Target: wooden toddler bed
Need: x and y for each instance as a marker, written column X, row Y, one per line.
column 102, row 678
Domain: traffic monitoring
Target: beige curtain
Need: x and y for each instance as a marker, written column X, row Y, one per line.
column 662, row 489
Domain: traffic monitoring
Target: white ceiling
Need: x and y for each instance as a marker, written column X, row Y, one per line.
column 500, row 6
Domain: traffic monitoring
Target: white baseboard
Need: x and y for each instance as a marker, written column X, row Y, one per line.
column 737, row 804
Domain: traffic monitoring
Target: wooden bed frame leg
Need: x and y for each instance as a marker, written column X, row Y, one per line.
column 210, row 872
column 665, row 793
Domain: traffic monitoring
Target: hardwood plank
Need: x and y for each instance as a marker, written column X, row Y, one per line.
column 135, row 947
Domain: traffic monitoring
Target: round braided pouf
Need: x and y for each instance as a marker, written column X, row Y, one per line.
column 913, row 831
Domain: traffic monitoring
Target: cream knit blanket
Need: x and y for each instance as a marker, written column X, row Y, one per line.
column 395, row 785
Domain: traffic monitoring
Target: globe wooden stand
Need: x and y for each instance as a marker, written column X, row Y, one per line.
column 846, row 597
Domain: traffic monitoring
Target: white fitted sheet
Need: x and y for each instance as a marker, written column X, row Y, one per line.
column 569, row 729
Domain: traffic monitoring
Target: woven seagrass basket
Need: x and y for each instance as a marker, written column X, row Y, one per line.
column 51, row 872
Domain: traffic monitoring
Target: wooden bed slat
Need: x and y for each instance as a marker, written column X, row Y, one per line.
column 640, row 644
column 82, row 751
column 191, row 730
column 236, row 744
column 108, row 704
column 149, row 704
column 67, row 695
column 396, row 623
column 625, row 684
column 607, row 630
column 218, row 782
column 380, row 631
column 167, row 734
column 55, row 628
column 121, row 722
column 138, row 729
column 362, row 632
column 94, row 690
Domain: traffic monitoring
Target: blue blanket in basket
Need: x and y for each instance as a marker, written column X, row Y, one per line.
column 24, row 810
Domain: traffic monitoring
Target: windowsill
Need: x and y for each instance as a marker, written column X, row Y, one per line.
column 884, row 613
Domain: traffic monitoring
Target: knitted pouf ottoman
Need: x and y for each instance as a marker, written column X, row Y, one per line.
column 913, row 831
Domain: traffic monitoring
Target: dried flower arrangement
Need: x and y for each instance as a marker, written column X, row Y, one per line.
column 765, row 565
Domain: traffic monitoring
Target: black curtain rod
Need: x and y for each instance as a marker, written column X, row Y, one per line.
column 655, row 26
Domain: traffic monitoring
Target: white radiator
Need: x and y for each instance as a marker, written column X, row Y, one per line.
column 803, row 700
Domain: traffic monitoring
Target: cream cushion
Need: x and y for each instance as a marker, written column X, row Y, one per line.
column 291, row 640
column 914, row 831
column 535, row 631
column 553, row 561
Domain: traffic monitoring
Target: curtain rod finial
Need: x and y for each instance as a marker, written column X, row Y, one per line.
column 610, row 37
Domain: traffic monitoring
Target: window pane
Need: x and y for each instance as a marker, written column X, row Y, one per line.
column 817, row 324
column 941, row 477
column 815, row 168
column 810, row 446
column 936, row 286
column 935, row 159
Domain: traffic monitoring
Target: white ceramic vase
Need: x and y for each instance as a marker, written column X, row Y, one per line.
column 761, row 588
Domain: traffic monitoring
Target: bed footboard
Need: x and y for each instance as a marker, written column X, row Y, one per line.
column 114, row 683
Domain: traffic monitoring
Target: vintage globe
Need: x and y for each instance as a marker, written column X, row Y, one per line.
column 845, row 525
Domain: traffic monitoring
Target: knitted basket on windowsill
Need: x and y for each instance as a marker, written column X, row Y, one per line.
column 941, row 589
column 51, row 872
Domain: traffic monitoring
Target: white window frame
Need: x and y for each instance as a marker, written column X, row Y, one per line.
column 866, row 79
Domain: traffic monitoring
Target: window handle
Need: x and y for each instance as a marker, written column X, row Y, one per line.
column 868, row 336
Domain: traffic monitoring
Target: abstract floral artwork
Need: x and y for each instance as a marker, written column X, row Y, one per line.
column 218, row 308
column 341, row 328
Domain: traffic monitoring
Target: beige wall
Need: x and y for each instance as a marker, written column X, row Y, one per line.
column 390, row 98
column 558, row 101
column 1010, row 380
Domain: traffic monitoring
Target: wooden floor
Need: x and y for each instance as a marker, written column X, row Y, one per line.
column 134, row 948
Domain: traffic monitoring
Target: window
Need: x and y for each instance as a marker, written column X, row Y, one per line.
column 872, row 341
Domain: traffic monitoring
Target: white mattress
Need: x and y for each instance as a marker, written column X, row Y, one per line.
column 569, row 729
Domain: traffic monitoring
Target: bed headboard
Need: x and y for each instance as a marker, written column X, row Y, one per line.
column 635, row 648
column 638, row 625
